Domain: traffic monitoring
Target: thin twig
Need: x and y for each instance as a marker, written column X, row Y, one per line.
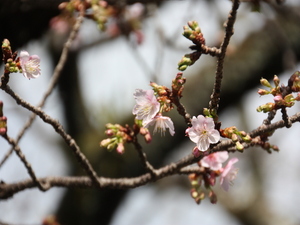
column 25, row 162
column 59, row 129
column 53, row 82
column 142, row 62
column 182, row 111
column 215, row 96
column 143, row 158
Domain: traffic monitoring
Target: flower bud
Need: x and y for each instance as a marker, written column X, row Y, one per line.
column 289, row 98
column 263, row 92
column 278, row 100
column 206, row 112
column 276, row 80
column 120, row 149
column 213, row 197
column 182, row 68
column 105, row 142
column 109, row 132
column 266, row 107
column 234, row 137
column 194, row 26
column 148, row 138
column 3, row 131
column 247, row 138
column 275, row 148
column 265, row 82
column 196, row 152
column 298, row 97
column 239, row 146
column 3, row 125
column 194, row 193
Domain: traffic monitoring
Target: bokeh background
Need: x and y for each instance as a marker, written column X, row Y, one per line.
column 96, row 87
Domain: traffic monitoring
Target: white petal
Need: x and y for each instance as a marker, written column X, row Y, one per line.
column 214, row 136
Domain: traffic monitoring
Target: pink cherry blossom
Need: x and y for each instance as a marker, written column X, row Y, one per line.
column 203, row 132
column 229, row 173
column 30, row 65
column 214, row 161
column 161, row 124
column 146, row 106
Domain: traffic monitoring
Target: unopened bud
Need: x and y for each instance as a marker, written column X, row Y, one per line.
column 263, row 92
column 194, row 193
column 109, row 132
column 278, row 100
column 266, row 107
column 265, row 83
column 247, row 138
column 275, row 148
column 182, row 68
column 3, row 125
column 196, row 152
column 148, row 138
column 276, row 80
column 213, row 197
column 120, row 149
column 104, row 143
column 239, row 146
column 289, row 98
column 194, row 26
column 234, row 137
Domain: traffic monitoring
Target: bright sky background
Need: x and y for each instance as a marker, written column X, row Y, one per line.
column 157, row 206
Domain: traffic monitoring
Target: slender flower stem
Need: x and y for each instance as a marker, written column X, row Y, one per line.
column 143, row 158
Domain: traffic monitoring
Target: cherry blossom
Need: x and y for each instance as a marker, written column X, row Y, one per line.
column 214, row 161
column 229, row 173
column 203, row 132
column 161, row 124
column 30, row 65
column 146, row 106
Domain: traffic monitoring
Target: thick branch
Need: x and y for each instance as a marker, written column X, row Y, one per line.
column 8, row 190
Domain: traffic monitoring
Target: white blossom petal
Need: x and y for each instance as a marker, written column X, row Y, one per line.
column 203, row 132
column 30, row 65
column 146, row 106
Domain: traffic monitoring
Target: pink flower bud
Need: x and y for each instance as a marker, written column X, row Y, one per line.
column 278, row 99
column 120, row 149
column 263, row 92
column 148, row 138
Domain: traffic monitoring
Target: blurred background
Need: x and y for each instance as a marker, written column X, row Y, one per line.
column 97, row 85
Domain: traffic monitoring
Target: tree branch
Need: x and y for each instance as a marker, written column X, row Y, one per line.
column 53, row 82
column 8, row 190
column 215, row 96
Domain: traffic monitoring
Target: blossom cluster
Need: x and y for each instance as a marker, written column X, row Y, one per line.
column 283, row 95
column 30, row 65
column 148, row 109
column 212, row 168
column 27, row 64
